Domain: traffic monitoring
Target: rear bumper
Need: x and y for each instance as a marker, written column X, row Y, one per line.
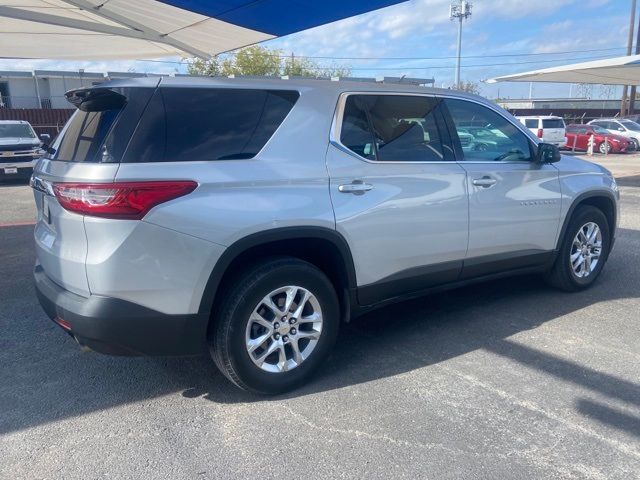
column 117, row 327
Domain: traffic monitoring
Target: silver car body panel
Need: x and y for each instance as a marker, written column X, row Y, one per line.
column 416, row 214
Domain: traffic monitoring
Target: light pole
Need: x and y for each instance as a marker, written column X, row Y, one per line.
column 459, row 11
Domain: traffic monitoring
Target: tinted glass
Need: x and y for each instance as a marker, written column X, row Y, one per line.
column 16, row 130
column 84, row 135
column 631, row 125
column 185, row 124
column 552, row 123
column 404, row 128
column 355, row 133
column 531, row 123
column 505, row 143
column 571, row 129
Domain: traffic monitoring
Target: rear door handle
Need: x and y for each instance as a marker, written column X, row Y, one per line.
column 357, row 187
column 484, row 182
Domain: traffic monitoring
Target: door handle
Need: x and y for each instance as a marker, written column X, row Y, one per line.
column 357, row 187
column 484, row 182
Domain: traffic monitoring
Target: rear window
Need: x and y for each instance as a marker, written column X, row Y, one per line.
column 552, row 123
column 531, row 123
column 84, row 135
column 102, row 126
column 189, row 124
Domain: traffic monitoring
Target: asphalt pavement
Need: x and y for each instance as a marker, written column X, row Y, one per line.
column 506, row 380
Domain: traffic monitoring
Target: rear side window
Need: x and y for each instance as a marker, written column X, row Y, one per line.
column 188, row 124
column 531, row 123
column 552, row 123
column 395, row 128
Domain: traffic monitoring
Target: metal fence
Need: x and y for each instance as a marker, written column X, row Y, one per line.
column 48, row 121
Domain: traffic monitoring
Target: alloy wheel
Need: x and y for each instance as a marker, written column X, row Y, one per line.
column 283, row 329
column 586, row 250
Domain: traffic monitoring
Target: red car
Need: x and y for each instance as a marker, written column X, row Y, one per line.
column 580, row 135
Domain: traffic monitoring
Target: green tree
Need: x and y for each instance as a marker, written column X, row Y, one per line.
column 261, row 61
column 470, row 87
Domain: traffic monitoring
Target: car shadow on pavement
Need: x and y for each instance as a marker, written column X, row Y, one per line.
column 45, row 378
column 630, row 181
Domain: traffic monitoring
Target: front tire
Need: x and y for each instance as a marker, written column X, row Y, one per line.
column 275, row 326
column 583, row 252
column 605, row 148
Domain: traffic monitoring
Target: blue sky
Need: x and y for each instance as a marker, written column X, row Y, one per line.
column 421, row 28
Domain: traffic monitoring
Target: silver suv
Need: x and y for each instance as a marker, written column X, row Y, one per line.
column 250, row 217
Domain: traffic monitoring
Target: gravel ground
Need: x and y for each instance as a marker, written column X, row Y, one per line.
column 510, row 379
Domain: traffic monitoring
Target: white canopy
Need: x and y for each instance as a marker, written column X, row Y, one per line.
column 610, row 71
column 136, row 29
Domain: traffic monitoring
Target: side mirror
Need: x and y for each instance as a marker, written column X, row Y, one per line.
column 547, row 153
column 45, row 138
column 620, row 129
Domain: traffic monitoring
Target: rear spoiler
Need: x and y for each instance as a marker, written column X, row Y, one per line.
column 96, row 99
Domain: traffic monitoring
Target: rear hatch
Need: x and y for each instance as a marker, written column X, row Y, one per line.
column 87, row 150
column 553, row 130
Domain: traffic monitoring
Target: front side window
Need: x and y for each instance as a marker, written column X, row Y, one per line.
column 485, row 135
column 395, row 128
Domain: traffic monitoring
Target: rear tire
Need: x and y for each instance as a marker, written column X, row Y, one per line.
column 583, row 251
column 254, row 320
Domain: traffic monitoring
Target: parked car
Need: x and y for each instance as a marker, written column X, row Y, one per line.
column 19, row 149
column 248, row 218
column 547, row 128
column 633, row 118
column 578, row 137
column 622, row 127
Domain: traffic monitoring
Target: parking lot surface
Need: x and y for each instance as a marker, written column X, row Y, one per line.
column 509, row 379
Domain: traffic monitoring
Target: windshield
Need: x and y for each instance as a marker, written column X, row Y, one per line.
column 601, row 131
column 16, row 130
column 631, row 125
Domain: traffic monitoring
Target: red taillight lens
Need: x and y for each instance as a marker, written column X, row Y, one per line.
column 540, row 132
column 123, row 200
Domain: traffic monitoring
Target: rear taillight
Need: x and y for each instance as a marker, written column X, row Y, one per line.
column 540, row 132
column 123, row 200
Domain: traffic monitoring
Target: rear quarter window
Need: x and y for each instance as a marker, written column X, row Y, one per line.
column 531, row 123
column 195, row 124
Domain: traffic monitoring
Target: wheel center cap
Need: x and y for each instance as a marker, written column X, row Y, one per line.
column 283, row 329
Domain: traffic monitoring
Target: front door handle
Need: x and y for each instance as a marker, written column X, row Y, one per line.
column 357, row 187
column 484, row 182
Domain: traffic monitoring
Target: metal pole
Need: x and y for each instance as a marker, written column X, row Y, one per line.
column 632, row 21
column 632, row 95
column 459, row 52
column 35, row 79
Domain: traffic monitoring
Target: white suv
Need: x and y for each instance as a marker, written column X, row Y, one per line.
column 620, row 126
column 248, row 218
column 547, row 128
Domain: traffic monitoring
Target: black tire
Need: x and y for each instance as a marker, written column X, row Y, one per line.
column 562, row 275
column 227, row 337
column 604, row 148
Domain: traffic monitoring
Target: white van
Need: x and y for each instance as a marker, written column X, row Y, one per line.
column 547, row 128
